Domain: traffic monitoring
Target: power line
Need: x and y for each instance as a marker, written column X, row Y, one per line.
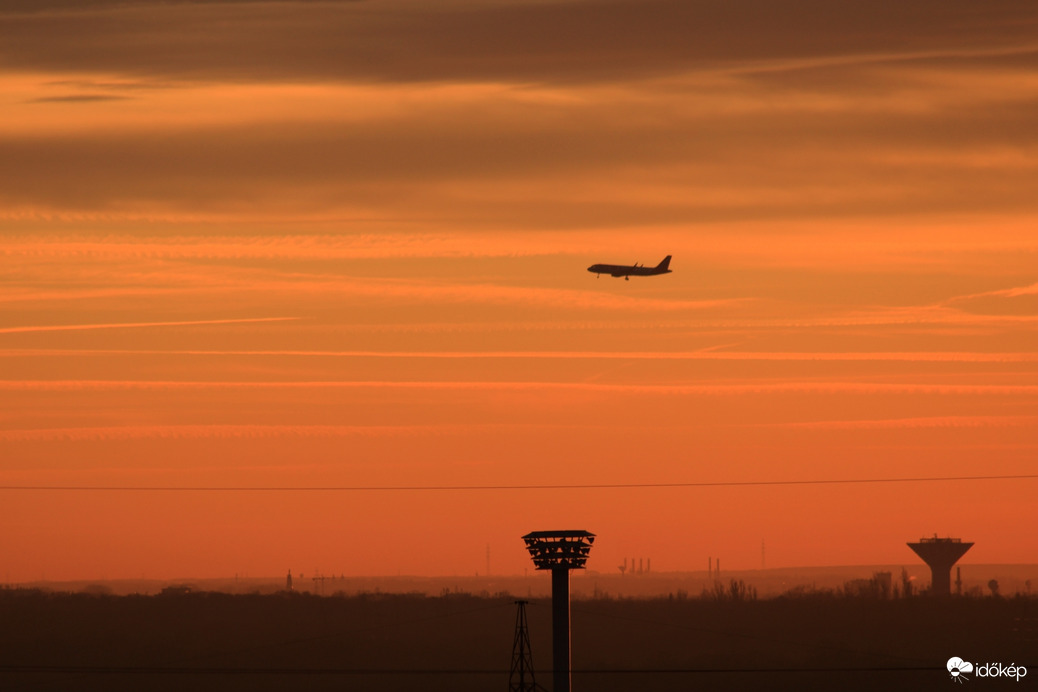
column 572, row 486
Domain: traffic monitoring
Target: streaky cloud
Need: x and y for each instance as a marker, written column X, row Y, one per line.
column 79, row 98
column 759, row 388
column 969, row 421
column 1015, row 292
column 137, row 325
column 236, row 431
column 529, row 42
column 891, row 356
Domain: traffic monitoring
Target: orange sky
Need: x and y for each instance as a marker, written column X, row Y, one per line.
column 332, row 244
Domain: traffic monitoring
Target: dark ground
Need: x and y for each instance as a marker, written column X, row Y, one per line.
column 216, row 641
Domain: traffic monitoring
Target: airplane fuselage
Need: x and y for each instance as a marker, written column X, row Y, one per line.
column 618, row 270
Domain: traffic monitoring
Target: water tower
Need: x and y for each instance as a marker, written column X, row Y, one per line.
column 940, row 554
column 559, row 551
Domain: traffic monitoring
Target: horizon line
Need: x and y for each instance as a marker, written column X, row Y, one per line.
column 570, row 486
column 578, row 573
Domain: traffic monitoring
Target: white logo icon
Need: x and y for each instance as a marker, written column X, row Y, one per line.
column 958, row 668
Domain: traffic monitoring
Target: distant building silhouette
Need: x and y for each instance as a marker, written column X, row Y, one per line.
column 288, row 581
column 318, row 582
column 881, row 585
column 639, row 565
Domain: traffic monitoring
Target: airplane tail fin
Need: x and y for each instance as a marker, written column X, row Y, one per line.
column 665, row 264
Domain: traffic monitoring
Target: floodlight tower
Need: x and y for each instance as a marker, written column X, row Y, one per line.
column 940, row 554
column 559, row 551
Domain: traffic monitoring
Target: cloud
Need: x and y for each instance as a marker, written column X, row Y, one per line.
column 560, row 41
column 1020, row 300
column 516, row 115
column 708, row 355
column 303, row 272
column 434, row 292
column 687, row 91
column 252, row 431
column 78, row 98
column 969, row 421
column 645, row 154
column 724, row 389
column 594, row 114
column 135, row 325
column 27, row 249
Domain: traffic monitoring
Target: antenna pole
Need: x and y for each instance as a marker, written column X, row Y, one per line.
column 521, row 677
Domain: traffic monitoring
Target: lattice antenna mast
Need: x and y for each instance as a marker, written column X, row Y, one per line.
column 521, row 678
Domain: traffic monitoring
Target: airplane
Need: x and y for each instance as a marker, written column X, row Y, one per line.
column 627, row 272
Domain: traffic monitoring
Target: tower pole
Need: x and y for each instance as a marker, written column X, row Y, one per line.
column 560, row 638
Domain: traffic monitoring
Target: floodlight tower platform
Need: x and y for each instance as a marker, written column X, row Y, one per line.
column 559, row 551
column 940, row 554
